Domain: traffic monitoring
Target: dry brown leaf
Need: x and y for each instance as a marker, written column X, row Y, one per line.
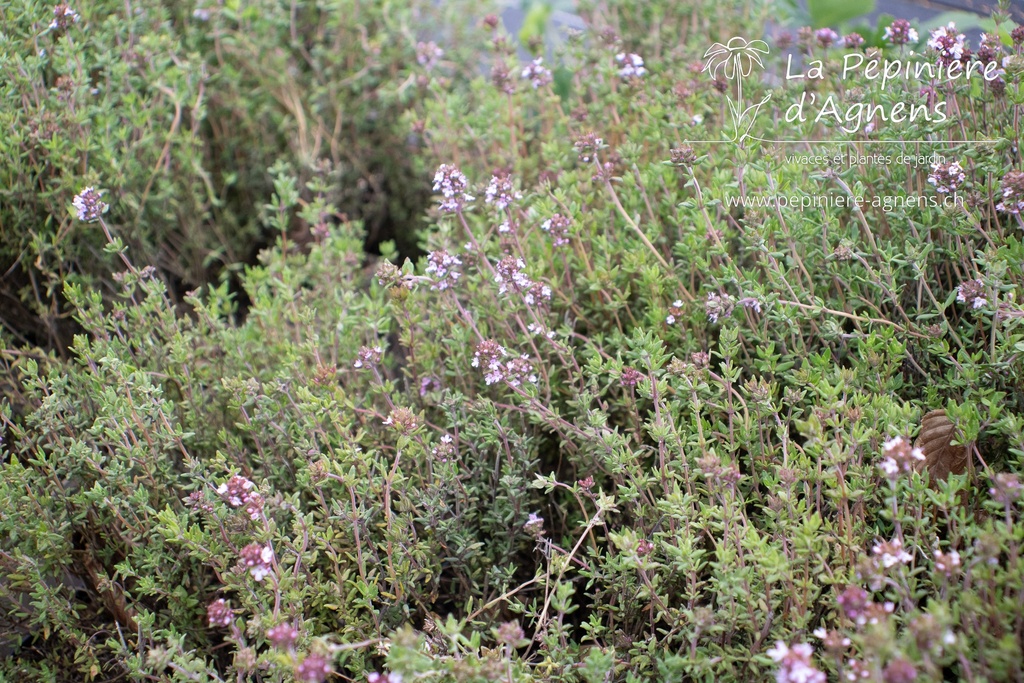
column 941, row 458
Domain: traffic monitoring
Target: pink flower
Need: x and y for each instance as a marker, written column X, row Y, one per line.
column 900, row 32
column 313, row 669
column 257, row 559
column 826, row 37
column 282, row 636
column 218, row 613
column 238, row 492
column 795, row 664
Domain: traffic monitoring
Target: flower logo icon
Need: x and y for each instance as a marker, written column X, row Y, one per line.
column 736, row 60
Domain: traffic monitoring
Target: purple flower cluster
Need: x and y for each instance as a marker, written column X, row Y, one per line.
column 534, row 525
column 1006, row 488
column 445, row 449
column 947, row 178
column 1013, row 193
column 899, row 670
column 452, row 184
column 510, row 275
column 857, row 606
column 501, row 192
column 537, row 74
column 63, row 16
column 490, row 357
column 443, row 268
column 88, row 205
column 558, row 228
column 674, row 311
column 218, row 613
column 586, row 145
column 947, row 563
column 537, row 295
column 238, row 492
column 989, row 49
column 402, row 420
column 853, row 40
column 719, row 306
column 282, row 636
column 314, row 668
column 428, row 54
column 384, row 678
column 826, row 37
column 368, row 356
column 630, row 377
column 973, row 292
column 950, row 46
column 900, row 32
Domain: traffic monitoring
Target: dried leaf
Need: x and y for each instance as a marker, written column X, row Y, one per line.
column 941, row 458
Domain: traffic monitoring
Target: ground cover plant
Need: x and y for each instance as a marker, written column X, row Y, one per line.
column 622, row 414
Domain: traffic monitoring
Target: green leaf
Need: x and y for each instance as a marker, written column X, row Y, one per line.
column 834, row 12
column 535, row 24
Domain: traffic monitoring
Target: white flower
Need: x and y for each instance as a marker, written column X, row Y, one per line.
column 779, row 652
column 501, row 192
column 536, row 73
column 62, row 17
column 892, row 553
column 632, row 65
